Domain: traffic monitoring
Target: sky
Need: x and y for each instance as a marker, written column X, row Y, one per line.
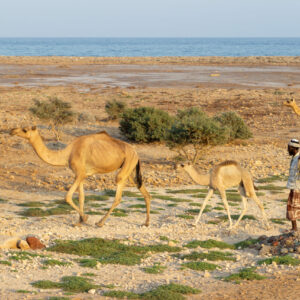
column 155, row 18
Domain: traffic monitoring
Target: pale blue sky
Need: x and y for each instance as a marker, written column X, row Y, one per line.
column 155, row 18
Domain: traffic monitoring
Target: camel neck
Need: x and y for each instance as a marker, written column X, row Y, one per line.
column 55, row 158
column 202, row 179
column 296, row 109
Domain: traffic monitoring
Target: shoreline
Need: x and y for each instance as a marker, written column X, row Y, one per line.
column 160, row 60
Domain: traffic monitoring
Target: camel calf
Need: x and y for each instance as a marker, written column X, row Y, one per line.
column 221, row 177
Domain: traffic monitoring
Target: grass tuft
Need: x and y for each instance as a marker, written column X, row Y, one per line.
column 209, row 244
column 244, row 274
column 155, row 269
column 211, row 255
column 281, row 260
column 200, row 266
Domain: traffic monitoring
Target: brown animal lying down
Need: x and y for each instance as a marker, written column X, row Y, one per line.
column 30, row 242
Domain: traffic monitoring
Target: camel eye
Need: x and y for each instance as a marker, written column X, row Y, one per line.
column 24, row 130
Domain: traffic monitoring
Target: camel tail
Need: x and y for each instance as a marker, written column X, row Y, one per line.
column 139, row 178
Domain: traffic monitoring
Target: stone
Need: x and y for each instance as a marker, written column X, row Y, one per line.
column 265, row 249
column 284, row 251
column 34, row 243
column 92, row 291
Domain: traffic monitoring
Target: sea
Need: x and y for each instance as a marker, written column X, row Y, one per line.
column 128, row 47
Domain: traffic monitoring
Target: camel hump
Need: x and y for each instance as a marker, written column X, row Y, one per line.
column 228, row 163
column 103, row 132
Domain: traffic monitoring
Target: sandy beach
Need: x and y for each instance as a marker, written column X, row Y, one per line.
column 254, row 87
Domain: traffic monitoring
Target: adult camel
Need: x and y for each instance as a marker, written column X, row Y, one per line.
column 88, row 155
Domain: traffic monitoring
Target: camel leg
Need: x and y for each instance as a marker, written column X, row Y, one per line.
column 208, row 196
column 261, row 207
column 224, row 199
column 69, row 197
column 116, row 202
column 81, row 205
column 245, row 207
column 146, row 196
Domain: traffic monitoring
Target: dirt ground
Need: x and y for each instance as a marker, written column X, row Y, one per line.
column 253, row 87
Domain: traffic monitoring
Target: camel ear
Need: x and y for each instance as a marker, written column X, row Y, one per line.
column 33, row 128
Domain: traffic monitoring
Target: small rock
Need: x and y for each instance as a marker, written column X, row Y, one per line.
column 92, row 291
column 284, row 251
column 265, row 249
column 171, row 244
column 206, row 274
column 34, row 243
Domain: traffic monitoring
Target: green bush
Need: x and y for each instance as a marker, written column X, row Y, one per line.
column 115, row 109
column 237, row 127
column 145, row 124
column 193, row 127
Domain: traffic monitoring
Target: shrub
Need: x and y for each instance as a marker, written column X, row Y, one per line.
column 237, row 127
column 193, row 127
column 145, row 124
column 115, row 109
column 54, row 111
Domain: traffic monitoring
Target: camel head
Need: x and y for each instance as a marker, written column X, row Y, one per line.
column 25, row 132
column 290, row 102
column 183, row 166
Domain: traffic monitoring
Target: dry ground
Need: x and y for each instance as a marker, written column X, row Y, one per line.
column 23, row 177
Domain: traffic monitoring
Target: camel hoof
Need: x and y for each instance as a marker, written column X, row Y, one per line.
column 99, row 224
column 83, row 219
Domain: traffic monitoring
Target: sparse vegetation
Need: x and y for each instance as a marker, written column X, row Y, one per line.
column 280, row 260
column 200, row 266
column 115, row 109
column 155, row 269
column 209, row 244
column 244, row 274
column 54, row 111
column 211, row 255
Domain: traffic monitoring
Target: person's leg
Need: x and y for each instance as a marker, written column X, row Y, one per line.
column 294, row 225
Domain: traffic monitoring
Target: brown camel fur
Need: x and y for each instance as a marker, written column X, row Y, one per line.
column 221, row 177
column 292, row 103
column 88, row 155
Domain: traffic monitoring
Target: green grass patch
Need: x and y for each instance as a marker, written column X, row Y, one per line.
column 278, row 221
column 172, row 205
column 23, row 291
column 54, row 262
column 97, row 198
column 95, row 213
column 155, row 269
column 211, row 255
column 31, row 204
column 218, row 208
column 131, row 194
column 244, row 274
column 75, row 284
column 246, row 243
column 119, row 214
column 170, row 291
column 88, row 262
column 23, row 255
column 272, row 179
column 169, row 198
column 281, row 260
column 271, row 187
column 234, row 197
column 2, row 200
column 187, row 191
column 137, row 206
column 164, row 238
column 109, row 251
column 5, row 262
column 199, row 196
column 235, row 217
column 200, row 266
column 39, row 212
column 209, row 244
column 187, row 217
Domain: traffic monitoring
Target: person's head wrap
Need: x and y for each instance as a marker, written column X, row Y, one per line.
column 294, row 143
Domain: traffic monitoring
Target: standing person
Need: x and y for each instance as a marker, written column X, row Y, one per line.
column 293, row 203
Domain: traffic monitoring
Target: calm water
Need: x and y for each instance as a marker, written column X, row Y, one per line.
column 150, row 46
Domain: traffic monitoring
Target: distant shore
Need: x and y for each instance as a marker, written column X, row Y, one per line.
column 178, row 60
